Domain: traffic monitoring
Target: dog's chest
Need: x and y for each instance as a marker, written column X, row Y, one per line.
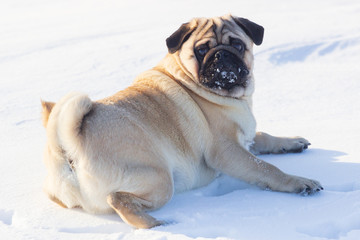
column 245, row 124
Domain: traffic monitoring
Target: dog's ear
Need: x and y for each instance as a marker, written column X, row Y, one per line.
column 175, row 41
column 253, row 30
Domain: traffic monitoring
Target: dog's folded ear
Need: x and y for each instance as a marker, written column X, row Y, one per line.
column 175, row 41
column 253, row 30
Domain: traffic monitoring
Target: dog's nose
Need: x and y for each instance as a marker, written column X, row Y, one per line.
column 221, row 55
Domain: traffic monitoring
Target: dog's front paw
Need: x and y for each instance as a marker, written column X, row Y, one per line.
column 292, row 145
column 303, row 186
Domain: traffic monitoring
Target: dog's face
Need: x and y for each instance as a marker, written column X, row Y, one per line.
column 217, row 54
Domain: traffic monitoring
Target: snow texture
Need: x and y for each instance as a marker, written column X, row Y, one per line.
column 307, row 83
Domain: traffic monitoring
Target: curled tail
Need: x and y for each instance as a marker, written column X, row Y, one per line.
column 63, row 122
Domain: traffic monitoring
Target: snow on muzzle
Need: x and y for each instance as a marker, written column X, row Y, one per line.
column 224, row 70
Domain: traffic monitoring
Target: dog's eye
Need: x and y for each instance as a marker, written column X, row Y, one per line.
column 202, row 50
column 238, row 44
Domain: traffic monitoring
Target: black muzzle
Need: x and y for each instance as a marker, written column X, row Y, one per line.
column 223, row 69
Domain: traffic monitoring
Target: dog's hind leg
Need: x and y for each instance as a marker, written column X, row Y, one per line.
column 57, row 201
column 156, row 189
column 132, row 209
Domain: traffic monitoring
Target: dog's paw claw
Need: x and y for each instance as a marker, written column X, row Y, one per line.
column 311, row 188
column 294, row 145
column 164, row 223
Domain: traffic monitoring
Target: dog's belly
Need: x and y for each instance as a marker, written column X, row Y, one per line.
column 187, row 176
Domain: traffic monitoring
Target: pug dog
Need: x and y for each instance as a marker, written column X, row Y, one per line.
column 175, row 128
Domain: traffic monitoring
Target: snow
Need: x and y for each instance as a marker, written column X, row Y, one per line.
column 307, row 83
column 230, row 76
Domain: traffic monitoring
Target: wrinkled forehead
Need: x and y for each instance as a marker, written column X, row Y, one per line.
column 218, row 30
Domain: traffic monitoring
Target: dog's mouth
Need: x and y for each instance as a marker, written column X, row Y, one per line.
column 223, row 69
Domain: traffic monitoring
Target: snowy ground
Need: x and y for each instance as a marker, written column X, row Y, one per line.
column 308, row 84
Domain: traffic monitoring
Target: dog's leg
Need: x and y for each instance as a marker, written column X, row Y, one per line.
column 232, row 159
column 57, row 201
column 132, row 209
column 265, row 143
column 46, row 110
column 153, row 188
